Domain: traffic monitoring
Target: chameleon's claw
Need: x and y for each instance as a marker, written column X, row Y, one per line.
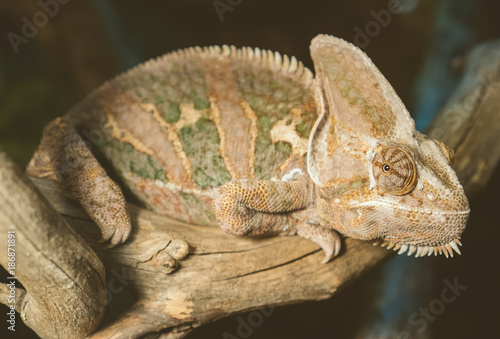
column 327, row 239
column 116, row 236
column 331, row 249
column 115, row 231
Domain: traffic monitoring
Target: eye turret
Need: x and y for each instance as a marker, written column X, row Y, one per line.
column 394, row 171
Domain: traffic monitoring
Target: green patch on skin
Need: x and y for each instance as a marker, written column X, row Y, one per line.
column 125, row 158
column 373, row 114
column 160, row 173
column 304, row 127
column 353, row 95
column 204, row 125
column 185, row 134
column 200, row 142
column 123, row 147
column 356, row 184
column 159, row 100
column 302, row 130
column 184, row 83
column 252, row 102
column 267, row 157
column 263, row 140
column 189, row 197
column 173, row 114
column 349, row 91
column 142, row 172
column 271, row 96
column 273, row 85
column 265, row 123
column 202, row 179
column 150, row 170
column 284, row 148
column 201, row 104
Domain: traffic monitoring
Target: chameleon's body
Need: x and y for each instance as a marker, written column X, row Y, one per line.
column 250, row 141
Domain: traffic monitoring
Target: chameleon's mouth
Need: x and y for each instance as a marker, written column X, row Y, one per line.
column 420, row 251
column 453, row 221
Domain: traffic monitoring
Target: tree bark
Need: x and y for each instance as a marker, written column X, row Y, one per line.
column 469, row 122
column 61, row 274
column 178, row 276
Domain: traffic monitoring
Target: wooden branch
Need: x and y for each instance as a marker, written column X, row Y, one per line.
column 470, row 122
column 61, row 274
column 173, row 291
column 222, row 275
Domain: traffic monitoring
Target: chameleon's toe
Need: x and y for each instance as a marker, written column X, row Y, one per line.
column 120, row 235
column 328, row 239
column 116, row 230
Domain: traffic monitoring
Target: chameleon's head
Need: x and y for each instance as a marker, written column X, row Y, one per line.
column 376, row 176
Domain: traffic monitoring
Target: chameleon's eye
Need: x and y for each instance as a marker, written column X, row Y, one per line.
column 448, row 152
column 395, row 171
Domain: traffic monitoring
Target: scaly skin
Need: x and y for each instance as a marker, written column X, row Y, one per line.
column 248, row 140
column 83, row 179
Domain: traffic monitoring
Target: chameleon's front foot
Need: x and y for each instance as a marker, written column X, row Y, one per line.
column 63, row 153
column 262, row 207
column 327, row 239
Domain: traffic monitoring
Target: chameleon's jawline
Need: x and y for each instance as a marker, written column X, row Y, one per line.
column 407, row 208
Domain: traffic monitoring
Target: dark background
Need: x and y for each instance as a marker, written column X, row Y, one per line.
column 88, row 42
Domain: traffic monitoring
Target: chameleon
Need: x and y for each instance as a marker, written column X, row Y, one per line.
column 253, row 142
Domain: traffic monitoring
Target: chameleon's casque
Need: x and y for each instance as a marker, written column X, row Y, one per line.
column 251, row 141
